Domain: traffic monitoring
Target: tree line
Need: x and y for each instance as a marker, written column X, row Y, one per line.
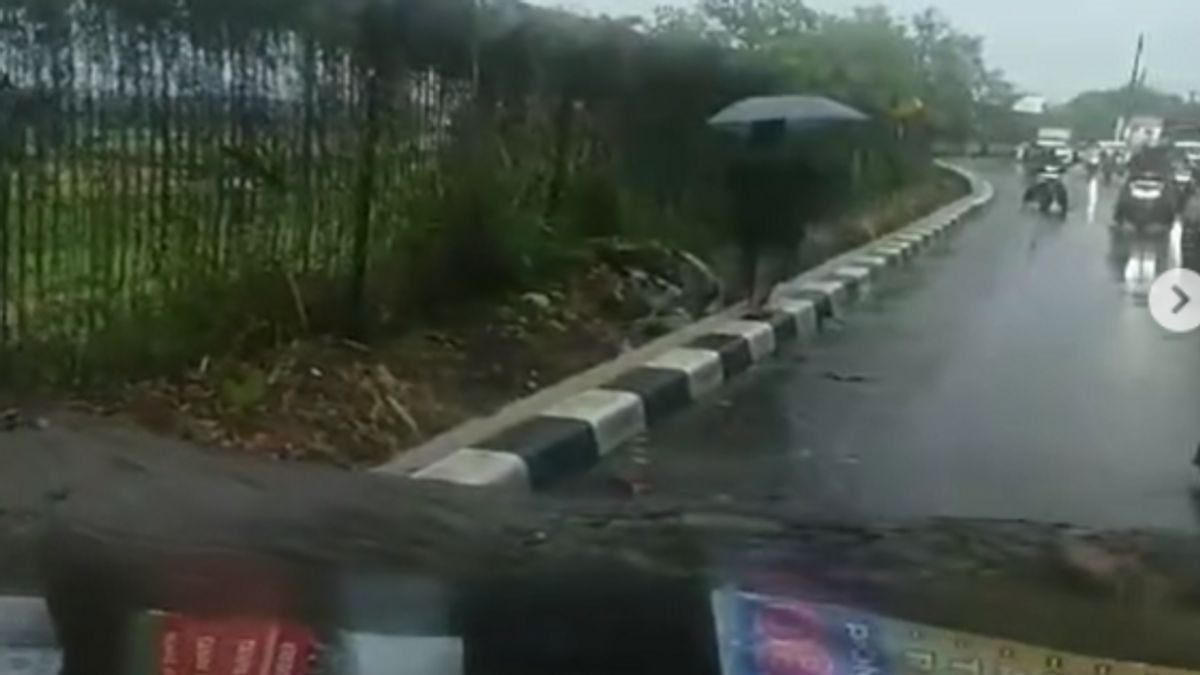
column 885, row 64
column 184, row 177
column 1094, row 114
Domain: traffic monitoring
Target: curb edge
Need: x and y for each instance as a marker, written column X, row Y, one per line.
column 572, row 435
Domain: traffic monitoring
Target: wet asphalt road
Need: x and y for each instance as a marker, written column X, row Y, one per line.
column 1014, row 373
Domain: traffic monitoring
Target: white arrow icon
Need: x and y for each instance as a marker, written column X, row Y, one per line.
column 1171, row 302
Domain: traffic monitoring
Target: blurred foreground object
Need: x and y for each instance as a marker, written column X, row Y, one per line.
column 27, row 641
column 531, row 585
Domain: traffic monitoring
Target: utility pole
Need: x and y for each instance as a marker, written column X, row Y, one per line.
column 1137, row 61
column 1130, row 93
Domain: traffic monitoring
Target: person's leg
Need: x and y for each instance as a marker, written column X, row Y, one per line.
column 778, row 265
column 749, row 269
column 790, row 264
column 769, row 270
column 763, row 279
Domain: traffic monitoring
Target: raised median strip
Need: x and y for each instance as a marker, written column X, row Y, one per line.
column 858, row 278
column 897, row 251
column 830, row 297
column 602, row 409
column 876, row 264
column 758, row 336
column 701, row 367
column 802, row 314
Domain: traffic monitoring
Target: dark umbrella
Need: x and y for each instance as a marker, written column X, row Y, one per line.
column 795, row 113
column 766, row 182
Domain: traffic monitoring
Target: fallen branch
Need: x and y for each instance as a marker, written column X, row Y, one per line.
column 403, row 414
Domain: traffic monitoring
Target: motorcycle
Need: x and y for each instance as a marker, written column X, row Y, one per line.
column 1048, row 190
column 1108, row 171
column 1146, row 199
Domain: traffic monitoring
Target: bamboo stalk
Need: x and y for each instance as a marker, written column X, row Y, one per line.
column 39, row 167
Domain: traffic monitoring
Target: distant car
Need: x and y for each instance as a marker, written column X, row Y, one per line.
column 1062, row 151
column 1115, row 149
column 1190, row 150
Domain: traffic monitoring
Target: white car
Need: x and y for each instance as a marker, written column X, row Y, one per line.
column 1189, row 148
column 1065, row 153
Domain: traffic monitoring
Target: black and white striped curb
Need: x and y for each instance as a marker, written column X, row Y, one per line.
column 571, row 436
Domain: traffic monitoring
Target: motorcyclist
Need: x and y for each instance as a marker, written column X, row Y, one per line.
column 1044, row 171
column 1149, row 194
column 1108, row 165
column 1151, row 161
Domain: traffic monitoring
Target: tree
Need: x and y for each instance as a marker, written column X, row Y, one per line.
column 865, row 59
column 1094, row 114
column 996, row 119
column 869, row 58
column 952, row 69
column 675, row 21
column 758, row 24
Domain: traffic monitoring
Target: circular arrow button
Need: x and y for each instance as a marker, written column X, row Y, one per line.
column 1175, row 300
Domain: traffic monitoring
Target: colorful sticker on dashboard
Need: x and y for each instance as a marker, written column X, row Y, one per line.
column 775, row 635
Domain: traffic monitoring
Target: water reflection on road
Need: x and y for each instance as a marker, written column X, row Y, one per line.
column 1137, row 255
column 1093, row 200
column 1138, row 258
column 1017, row 373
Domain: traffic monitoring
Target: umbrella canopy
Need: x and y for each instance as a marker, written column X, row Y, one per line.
column 797, row 113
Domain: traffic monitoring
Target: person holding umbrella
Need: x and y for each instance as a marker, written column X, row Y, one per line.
column 770, row 183
column 764, row 209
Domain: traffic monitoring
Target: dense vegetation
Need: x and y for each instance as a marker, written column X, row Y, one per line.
column 184, row 176
column 1094, row 114
column 871, row 58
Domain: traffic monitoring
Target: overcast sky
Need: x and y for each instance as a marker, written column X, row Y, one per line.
column 1055, row 48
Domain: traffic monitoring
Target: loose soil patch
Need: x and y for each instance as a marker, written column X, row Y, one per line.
column 350, row 404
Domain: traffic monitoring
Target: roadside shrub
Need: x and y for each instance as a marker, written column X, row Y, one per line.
column 592, row 206
column 257, row 170
column 482, row 236
column 486, row 244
